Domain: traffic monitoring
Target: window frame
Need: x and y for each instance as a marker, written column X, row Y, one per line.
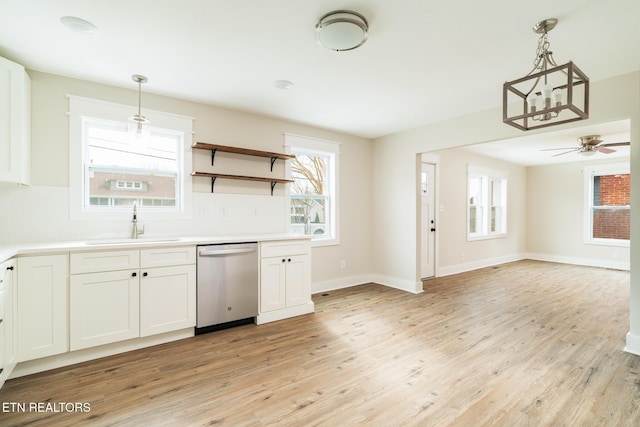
column 590, row 171
column 79, row 108
column 309, row 145
column 488, row 178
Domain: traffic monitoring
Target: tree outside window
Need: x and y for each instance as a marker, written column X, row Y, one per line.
column 310, row 201
column 314, row 197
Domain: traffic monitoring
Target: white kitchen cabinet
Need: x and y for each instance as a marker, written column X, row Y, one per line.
column 104, row 308
column 15, row 123
column 104, row 297
column 285, row 280
column 43, row 328
column 8, row 324
column 167, row 289
column 123, row 294
column 167, row 299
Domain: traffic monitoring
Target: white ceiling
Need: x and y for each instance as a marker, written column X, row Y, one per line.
column 424, row 61
column 530, row 150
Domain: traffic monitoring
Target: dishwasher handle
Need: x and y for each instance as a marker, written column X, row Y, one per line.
column 218, row 252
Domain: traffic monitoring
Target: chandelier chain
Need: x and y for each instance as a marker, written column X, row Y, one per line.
column 541, row 51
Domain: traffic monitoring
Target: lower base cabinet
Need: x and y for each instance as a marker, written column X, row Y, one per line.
column 43, row 308
column 124, row 294
column 167, row 299
column 104, row 308
column 285, row 280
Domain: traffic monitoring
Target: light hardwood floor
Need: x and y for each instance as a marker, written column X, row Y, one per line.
column 522, row 344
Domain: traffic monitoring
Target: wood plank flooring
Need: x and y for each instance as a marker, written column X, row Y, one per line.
column 522, row 344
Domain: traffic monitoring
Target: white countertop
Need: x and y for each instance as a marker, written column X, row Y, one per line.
column 41, row 248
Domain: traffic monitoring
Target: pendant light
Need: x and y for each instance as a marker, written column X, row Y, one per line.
column 138, row 119
column 550, row 94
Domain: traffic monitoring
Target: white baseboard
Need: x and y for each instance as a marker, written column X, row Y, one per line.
column 592, row 262
column 403, row 285
column 474, row 265
column 340, row 283
column 347, row 282
column 633, row 344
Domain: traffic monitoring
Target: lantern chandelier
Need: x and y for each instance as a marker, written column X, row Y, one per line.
column 549, row 94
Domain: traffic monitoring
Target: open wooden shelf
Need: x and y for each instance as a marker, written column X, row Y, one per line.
column 215, row 176
column 246, row 151
column 238, row 150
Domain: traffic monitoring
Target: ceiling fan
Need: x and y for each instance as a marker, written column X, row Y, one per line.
column 589, row 144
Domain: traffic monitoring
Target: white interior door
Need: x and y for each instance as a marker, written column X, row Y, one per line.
column 427, row 221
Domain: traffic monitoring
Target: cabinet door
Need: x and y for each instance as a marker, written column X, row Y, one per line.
column 272, row 283
column 10, row 349
column 298, row 279
column 104, row 308
column 167, row 299
column 43, row 328
column 15, row 123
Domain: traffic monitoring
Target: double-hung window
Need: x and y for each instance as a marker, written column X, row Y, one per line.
column 314, row 194
column 486, row 203
column 608, row 207
column 113, row 166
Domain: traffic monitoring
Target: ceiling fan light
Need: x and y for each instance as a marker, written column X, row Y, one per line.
column 588, row 152
column 342, row 30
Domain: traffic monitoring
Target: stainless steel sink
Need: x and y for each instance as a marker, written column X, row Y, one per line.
column 130, row 241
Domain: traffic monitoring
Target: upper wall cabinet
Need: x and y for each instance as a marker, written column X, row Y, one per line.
column 15, row 123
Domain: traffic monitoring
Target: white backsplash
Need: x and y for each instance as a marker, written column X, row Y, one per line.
column 41, row 214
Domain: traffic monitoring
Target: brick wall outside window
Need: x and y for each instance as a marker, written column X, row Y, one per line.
column 612, row 223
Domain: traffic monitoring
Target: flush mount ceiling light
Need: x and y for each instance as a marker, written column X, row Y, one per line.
column 550, row 94
column 342, row 30
column 283, row 85
column 139, row 119
column 78, row 25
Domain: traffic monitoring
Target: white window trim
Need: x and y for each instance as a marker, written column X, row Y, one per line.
column 85, row 107
column 474, row 170
column 318, row 145
column 588, row 172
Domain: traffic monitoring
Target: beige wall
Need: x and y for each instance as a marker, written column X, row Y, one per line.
column 394, row 205
column 455, row 252
column 555, row 225
column 41, row 212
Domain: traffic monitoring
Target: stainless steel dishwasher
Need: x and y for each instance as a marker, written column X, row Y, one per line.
column 227, row 283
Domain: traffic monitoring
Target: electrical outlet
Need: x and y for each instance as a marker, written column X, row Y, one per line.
column 343, row 264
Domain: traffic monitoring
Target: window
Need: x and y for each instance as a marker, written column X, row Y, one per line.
column 121, row 168
column 608, row 195
column 313, row 194
column 111, row 167
column 486, row 203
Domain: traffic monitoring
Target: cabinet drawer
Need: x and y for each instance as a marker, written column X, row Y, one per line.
column 93, row 262
column 284, row 248
column 163, row 257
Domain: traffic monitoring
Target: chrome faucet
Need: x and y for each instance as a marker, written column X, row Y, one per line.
column 135, row 232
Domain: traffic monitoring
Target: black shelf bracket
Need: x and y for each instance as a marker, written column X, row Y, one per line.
column 213, row 156
column 273, row 184
column 213, row 181
column 273, row 160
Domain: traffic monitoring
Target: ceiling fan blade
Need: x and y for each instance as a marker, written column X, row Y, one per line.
column 566, row 152
column 564, row 148
column 605, row 150
column 616, row 144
